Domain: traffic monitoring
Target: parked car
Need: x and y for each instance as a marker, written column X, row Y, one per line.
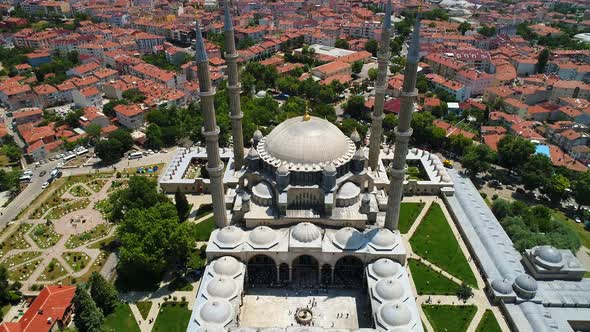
column 45, row 185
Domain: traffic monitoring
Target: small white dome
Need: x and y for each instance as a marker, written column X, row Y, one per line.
column 385, row 268
column 263, row 236
column 395, row 314
column 283, row 169
column 229, row 237
column 261, row 94
column 221, row 287
column 502, row 286
column 359, row 154
column 306, row 232
column 355, row 136
column 445, row 178
column 526, row 283
column 216, row 311
column 390, row 289
column 257, row 135
column 382, row 238
column 226, row 265
column 329, row 169
column 252, row 154
column 348, row 238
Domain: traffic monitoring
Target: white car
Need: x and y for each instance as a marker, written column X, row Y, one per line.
column 45, row 185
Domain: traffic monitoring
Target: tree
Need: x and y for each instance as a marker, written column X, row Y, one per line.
column 501, row 208
column 152, row 240
column 536, row 171
column 357, row 66
column 182, row 205
column 154, row 137
column 514, row 151
column 12, row 151
column 341, row 43
column 422, row 83
column 372, row 46
column 373, row 72
column 124, row 137
column 556, row 188
column 9, row 294
column 582, row 189
column 458, row 143
column 464, row 292
column 487, row 31
column 464, row 27
column 477, row 158
column 73, row 117
column 109, row 150
column 355, row 107
column 103, row 293
column 93, row 131
column 542, row 59
column 88, row 317
column 9, row 180
column 141, row 193
column 134, row 95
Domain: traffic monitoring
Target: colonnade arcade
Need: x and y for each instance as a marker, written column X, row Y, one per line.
column 305, row 271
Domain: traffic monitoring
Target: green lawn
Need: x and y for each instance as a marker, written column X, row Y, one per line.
column 408, row 213
column 24, row 271
column 430, row 282
column 172, row 317
column 144, row 308
column 434, row 240
column 76, row 259
column 92, row 235
column 578, row 228
column 52, row 271
column 120, row 320
column 16, row 240
column 202, row 230
column 45, row 236
column 455, row 318
column 19, row 258
column 488, row 323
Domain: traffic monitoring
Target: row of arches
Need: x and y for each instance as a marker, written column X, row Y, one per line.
column 305, row 271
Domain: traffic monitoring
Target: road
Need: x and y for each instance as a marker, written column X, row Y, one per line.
column 28, row 195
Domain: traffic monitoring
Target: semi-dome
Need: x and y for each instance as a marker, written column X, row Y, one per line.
column 548, row 254
column 229, row 237
column 216, row 311
column 502, row 286
column 329, row 169
column 395, row 314
column 223, row 287
column 354, row 136
column 348, row 238
column 306, row 232
column 385, row 268
column 382, row 238
column 262, row 189
column 348, row 190
column 389, row 289
column 226, row 265
column 306, row 145
column 263, row 236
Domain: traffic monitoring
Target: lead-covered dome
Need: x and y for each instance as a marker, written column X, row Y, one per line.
column 229, row 237
column 263, row 237
column 227, row 266
column 548, row 254
column 222, row 287
column 390, row 289
column 348, row 238
column 306, row 145
column 216, row 311
column 385, row 268
column 395, row 314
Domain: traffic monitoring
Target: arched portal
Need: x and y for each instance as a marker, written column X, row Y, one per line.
column 305, row 271
column 349, row 271
column 284, row 272
column 326, row 274
column 261, row 270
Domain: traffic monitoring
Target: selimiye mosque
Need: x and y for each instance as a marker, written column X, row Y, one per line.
column 307, row 236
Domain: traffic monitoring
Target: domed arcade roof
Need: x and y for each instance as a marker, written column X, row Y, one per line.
column 263, row 237
column 382, row 239
column 395, row 314
column 223, row 287
column 390, row 290
column 216, row 311
column 226, row 266
column 306, row 145
column 306, row 232
column 229, row 237
column 385, row 268
column 348, row 238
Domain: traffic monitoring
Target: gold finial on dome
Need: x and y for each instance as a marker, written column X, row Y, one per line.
column 306, row 116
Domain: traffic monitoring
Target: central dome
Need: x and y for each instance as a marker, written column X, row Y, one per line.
column 306, row 145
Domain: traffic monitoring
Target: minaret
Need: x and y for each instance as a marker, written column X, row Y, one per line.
column 380, row 88
column 233, row 87
column 403, row 131
column 211, row 132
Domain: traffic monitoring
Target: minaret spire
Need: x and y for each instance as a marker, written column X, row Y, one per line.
column 403, row 131
column 380, row 88
column 210, row 131
column 233, row 87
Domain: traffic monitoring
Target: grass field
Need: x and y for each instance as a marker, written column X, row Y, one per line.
column 16, row 240
column 44, row 236
column 77, row 260
column 173, row 317
column 430, row 282
column 202, row 230
column 120, row 320
column 92, row 235
column 24, row 271
column 80, row 191
column 408, row 213
column 52, row 271
column 144, row 308
column 455, row 318
column 19, row 258
column 488, row 323
column 434, row 240
column 62, row 210
column 97, row 184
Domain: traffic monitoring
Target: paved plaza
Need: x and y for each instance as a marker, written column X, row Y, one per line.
column 331, row 308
